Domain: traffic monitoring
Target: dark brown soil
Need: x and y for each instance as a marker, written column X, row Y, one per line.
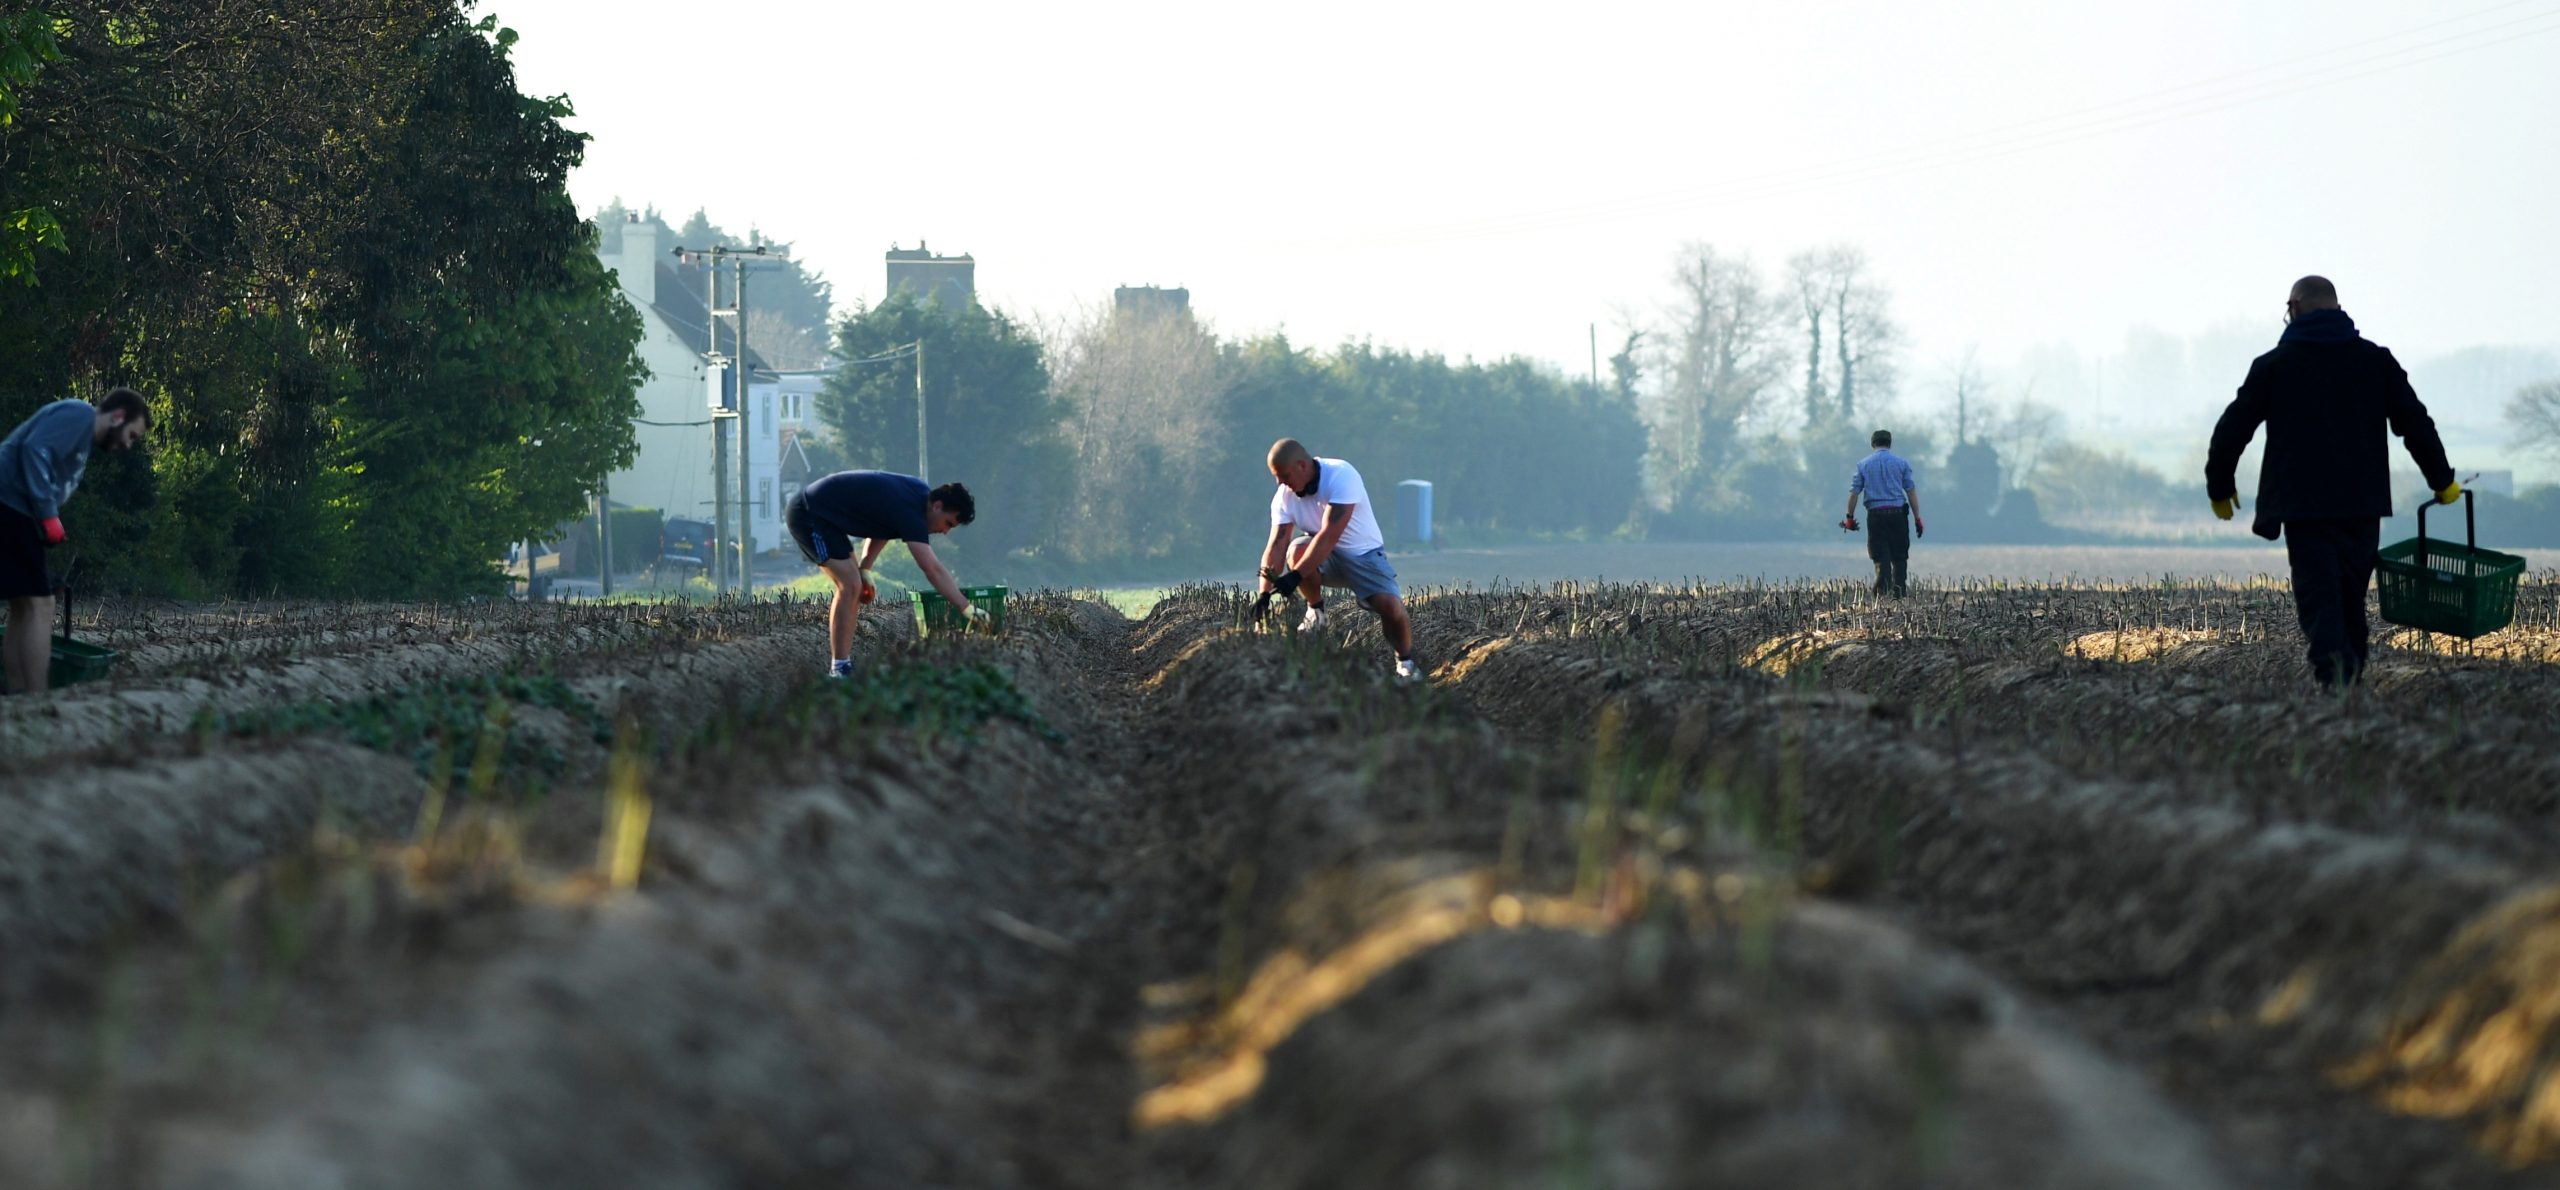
column 1630, row 897
column 2247, row 930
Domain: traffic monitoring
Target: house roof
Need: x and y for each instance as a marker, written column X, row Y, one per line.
column 680, row 306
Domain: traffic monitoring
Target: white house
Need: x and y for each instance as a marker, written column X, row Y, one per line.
column 673, row 470
column 785, row 404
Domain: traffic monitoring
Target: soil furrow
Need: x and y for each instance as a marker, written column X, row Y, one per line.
column 2254, row 964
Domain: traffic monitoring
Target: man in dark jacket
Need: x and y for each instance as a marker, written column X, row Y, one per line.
column 2325, row 395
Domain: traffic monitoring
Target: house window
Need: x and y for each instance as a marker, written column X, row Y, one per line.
column 764, row 496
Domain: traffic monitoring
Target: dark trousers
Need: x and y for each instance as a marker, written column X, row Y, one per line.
column 1889, row 547
column 2332, row 567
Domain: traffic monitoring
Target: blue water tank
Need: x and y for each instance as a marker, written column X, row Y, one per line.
column 1413, row 512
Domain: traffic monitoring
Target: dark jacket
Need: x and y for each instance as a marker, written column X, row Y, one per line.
column 2325, row 395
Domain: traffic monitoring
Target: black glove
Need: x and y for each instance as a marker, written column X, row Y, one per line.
column 1286, row 582
column 1262, row 605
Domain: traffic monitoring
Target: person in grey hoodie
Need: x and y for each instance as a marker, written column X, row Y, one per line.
column 40, row 466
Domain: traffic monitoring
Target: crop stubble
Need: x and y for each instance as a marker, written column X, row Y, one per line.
column 1769, row 886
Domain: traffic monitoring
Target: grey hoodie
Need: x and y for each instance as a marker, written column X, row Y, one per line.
column 41, row 461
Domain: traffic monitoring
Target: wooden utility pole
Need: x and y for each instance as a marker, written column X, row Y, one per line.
column 604, row 540
column 731, row 407
column 746, row 446
column 719, row 430
column 923, row 469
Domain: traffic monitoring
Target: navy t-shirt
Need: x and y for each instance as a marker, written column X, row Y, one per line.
column 870, row 504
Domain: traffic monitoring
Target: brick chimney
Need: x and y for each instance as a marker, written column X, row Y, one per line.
column 638, row 265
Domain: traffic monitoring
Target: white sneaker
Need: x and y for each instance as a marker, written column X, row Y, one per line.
column 1314, row 619
column 1407, row 670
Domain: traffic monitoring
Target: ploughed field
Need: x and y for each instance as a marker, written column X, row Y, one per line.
column 1660, row 886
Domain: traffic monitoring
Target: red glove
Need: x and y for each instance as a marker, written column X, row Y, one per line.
column 1919, row 526
column 53, row 530
column 1848, row 524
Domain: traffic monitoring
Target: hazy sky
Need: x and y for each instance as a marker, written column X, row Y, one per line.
column 1487, row 179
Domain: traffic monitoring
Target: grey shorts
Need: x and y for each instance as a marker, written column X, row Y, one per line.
column 1366, row 574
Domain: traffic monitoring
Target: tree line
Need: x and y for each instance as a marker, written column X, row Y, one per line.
column 1129, row 436
column 332, row 241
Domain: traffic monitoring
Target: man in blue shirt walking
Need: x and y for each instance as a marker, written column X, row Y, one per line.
column 41, row 463
column 1893, row 511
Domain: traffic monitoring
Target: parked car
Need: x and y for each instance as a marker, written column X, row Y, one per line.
column 531, row 581
column 684, row 548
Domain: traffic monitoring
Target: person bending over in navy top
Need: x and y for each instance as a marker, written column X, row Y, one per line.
column 879, row 507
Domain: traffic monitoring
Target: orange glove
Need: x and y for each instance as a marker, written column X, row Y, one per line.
column 869, row 592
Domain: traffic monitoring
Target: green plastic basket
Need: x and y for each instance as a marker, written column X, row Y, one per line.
column 73, row 662
column 2459, row 590
column 935, row 615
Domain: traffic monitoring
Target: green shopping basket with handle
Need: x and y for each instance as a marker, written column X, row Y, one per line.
column 2459, row 590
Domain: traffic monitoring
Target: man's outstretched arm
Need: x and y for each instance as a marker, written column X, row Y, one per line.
column 1275, row 554
column 937, row 574
column 2417, row 431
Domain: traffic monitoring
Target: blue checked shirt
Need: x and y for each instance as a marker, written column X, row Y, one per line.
column 1885, row 478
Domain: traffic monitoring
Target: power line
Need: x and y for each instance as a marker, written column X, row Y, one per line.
column 900, row 353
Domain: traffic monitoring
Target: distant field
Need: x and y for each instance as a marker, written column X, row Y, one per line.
column 1666, row 562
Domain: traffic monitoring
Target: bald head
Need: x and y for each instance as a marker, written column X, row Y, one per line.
column 1293, row 467
column 2312, row 293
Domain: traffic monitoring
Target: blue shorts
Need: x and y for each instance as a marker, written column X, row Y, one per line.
column 1366, row 574
column 818, row 541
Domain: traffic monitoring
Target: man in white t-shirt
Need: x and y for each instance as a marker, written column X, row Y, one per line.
column 1322, row 525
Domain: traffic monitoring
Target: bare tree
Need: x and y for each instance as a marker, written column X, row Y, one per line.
column 1716, row 363
column 2020, row 433
column 1809, row 275
column 1142, row 392
column 2534, row 412
column 1835, row 285
column 783, row 343
column 1965, row 381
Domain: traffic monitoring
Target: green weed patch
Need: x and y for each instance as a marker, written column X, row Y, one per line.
column 954, row 699
column 438, row 723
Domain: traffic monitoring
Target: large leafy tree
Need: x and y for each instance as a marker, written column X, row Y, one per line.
column 333, row 239
column 992, row 421
column 27, row 43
